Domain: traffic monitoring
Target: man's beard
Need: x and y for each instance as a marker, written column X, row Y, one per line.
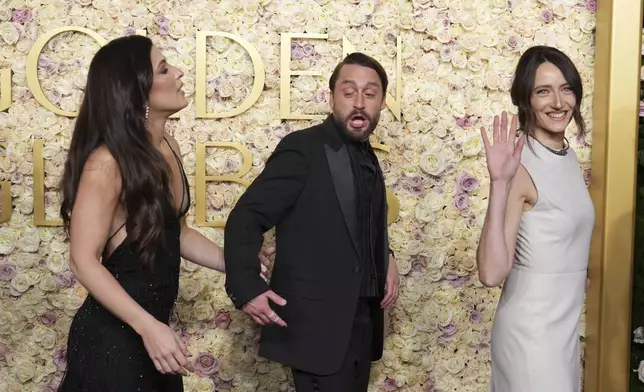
column 342, row 123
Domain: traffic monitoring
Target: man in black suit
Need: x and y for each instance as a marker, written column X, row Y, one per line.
column 323, row 190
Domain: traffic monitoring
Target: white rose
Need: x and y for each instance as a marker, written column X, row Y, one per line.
column 29, row 241
column 9, row 33
column 432, row 163
column 186, row 45
column 177, row 29
column 20, row 283
column 25, row 370
column 8, row 238
column 226, row 90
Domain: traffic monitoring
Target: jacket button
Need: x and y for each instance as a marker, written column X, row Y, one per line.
column 356, row 270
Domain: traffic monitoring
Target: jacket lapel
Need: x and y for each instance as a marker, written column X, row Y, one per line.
column 339, row 162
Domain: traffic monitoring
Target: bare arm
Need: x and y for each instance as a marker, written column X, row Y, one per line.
column 95, row 205
column 495, row 253
column 200, row 250
column 96, row 202
column 196, row 247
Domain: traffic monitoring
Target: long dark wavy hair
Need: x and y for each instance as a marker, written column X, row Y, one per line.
column 113, row 114
column 523, row 84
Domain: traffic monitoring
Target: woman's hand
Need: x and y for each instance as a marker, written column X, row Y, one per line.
column 168, row 353
column 503, row 157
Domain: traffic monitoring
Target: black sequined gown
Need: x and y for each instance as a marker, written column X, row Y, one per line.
column 106, row 355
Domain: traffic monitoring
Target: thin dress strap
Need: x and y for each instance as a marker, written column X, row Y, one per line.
column 182, row 210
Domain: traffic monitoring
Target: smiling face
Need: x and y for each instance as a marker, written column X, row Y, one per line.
column 357, row 100
column 552, row 99
column 166, row 95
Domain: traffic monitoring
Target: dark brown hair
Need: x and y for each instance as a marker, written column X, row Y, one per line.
column 361, row 59
column 112, row 114
column 523, row 84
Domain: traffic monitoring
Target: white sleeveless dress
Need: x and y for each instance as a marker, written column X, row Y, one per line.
column 535, row 335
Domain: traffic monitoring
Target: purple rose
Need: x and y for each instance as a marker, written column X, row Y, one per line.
column 44, row 61
column 464, row 122
column 162, row 20
column 222, row 319
column 60, row 359
column 48, row 318
column 449, row 329
column 458, row 282
column 164, row 30
column 546, row 16
column 308, row 49
column 513, row 42
column 417, row 234
column 320, row 96
column 206, row 364
column 129, row 30
column 66, row 279
column 17, row 177
column 21, row 16
column 476, row 316
column 641, row 108
column 460, row 201
column 389, row 384
column 467, row 183
column 429, row 385
column 297, row 53
column 7, row 272
column 221, row 384
column 591, row 5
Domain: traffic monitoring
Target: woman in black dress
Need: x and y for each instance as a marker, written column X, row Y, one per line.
column 125, row 196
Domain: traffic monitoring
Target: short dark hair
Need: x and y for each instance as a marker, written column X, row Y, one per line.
column 357, row 58
column 523, row 84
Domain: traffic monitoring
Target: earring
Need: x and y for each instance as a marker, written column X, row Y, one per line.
column 147, row 114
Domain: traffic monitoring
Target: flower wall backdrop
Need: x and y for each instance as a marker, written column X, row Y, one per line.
column 457, row 62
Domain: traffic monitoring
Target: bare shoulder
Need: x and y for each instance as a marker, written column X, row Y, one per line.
column 101, row 159
column 102, row 170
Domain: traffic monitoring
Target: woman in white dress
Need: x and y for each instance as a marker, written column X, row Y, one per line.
column 537, row 230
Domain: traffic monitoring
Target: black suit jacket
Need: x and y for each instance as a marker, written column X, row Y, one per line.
column 306, row 191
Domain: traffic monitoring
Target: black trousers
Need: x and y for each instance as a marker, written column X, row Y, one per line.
column 354, row 374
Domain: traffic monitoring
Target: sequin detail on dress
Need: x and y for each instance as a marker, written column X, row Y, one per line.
column 103, row 353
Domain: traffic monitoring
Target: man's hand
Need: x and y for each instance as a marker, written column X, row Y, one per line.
column 392, row 284
column 260, row 310
column 264, row 257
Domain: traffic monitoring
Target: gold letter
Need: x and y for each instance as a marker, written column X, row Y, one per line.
column 393, row 204
column 39, row 188
column 200, row 181
column 32, row 65
column 286, row 73
column 5, row 89
column 7, row 207
column 200, row 79
column 392, row 104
